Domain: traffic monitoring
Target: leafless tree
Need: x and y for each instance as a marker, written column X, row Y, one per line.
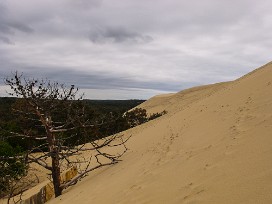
column 53, row 116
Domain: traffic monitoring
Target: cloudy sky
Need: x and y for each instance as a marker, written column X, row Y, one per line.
column 123, row 49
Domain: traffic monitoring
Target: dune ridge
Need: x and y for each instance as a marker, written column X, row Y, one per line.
column 213, row 146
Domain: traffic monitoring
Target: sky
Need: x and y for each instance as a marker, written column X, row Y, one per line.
column 127, row 49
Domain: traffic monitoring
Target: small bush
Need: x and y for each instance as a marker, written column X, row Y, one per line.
column 12, row 166
column 139, row 116
column 156, row 115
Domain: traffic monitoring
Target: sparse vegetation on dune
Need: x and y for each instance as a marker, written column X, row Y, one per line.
column 49, row 118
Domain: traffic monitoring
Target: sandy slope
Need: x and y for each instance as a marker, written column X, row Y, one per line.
column 176, row 102
column 214, row 146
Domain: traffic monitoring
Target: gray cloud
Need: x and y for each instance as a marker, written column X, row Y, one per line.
column 96, row 80
column 5, row 40
column 9, row 26
column 20, row 26
column 131, row 45
column 4, row 28
column 117, row 35
column 84, row 4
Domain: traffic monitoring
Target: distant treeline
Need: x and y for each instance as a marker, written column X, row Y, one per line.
column 108, row 116
column 108, row 112
column 99, row 106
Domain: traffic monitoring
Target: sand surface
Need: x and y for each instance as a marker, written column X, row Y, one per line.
column 213, row 146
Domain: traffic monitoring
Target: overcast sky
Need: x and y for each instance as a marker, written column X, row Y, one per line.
column 123, row 49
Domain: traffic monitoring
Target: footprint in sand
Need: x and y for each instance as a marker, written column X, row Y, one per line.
column 136, row 187
column 192, row 196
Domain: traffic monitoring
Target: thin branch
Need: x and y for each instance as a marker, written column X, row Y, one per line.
column 41, row 163
column 15, row 134
column 75, row 179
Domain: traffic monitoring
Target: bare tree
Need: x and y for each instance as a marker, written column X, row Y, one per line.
column 53, row 119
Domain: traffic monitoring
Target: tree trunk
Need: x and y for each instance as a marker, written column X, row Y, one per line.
column 53, row 148
column 56, row 173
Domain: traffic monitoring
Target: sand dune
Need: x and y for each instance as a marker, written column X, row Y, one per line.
column 213, row 146
column 176, row 102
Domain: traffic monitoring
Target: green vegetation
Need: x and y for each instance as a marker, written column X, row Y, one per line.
column 112, row 116
column 138, row 116
column 12, row 166
column 108, row 116
column 110, row 112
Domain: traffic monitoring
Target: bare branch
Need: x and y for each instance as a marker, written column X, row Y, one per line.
column 53, row 117
column 75, row 179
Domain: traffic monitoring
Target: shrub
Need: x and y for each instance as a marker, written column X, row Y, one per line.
column 12, row 166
